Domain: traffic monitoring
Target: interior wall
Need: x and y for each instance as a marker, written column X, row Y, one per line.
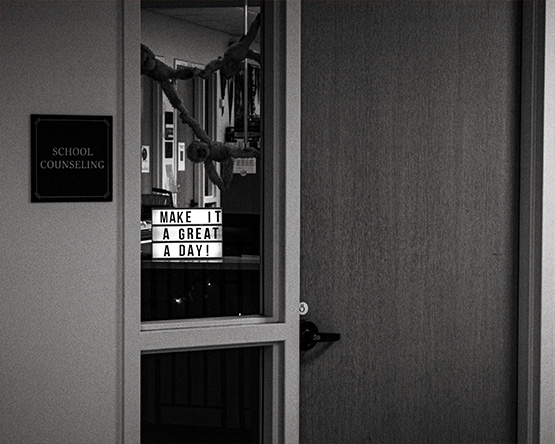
column 60, row 295
column 147, row 137
column 176, row 39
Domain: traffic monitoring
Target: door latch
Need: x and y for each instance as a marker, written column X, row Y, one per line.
column 310, row 335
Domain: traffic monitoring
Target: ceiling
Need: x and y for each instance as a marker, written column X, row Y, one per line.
column 230, row 20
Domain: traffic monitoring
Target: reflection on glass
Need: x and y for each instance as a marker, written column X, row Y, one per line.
column 210, row 396
column 226, row 104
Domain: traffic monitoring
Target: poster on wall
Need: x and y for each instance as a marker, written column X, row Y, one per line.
column 244, row 166
column 71, row 158
column 170, row 184
column 181, row 159
column 145, row 159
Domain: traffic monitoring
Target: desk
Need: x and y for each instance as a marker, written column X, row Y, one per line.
column 227, row 263
column 177, row 289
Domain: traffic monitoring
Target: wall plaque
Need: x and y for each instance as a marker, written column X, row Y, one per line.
column 71, row 158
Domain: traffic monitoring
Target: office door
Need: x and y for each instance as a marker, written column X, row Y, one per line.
column 410, row 220
column 211, row 297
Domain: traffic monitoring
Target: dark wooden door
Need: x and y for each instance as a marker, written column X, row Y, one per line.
column 410, row 144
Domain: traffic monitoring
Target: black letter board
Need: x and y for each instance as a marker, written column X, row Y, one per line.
column 71, row 158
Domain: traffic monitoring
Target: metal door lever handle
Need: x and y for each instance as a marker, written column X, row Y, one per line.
column 326, row 337
column 310, row 335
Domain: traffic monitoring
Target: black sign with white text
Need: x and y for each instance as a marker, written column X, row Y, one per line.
column 71, row 158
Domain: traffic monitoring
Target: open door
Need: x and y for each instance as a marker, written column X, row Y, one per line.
column 420, row 234
column 211, row 342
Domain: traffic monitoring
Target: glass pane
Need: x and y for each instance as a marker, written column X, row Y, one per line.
column 210, row 396
column 202, row 269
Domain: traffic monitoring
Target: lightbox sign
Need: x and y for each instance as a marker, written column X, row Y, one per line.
column 193, row 234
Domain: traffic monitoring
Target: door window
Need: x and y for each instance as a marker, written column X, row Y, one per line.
column 210, row 396
column 179, row 277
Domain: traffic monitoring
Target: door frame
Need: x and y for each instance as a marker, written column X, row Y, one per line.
column 546, row 134
column 278, row 330
column 530, row 223
column 207, row 119
column 536, row 311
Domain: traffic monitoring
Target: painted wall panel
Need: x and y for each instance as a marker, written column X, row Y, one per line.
column 60, row 298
